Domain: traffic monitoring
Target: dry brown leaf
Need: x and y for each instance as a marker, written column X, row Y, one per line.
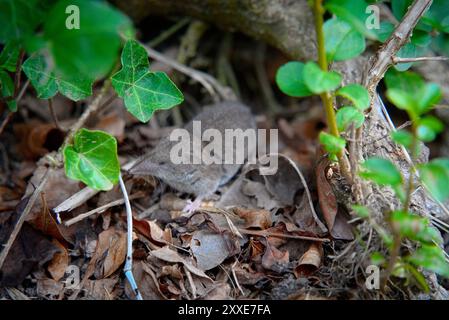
column 260, row 219
column 49, row 288
column 274, row 257
column 209, row 249
column 111, row 248
column 58, row 265
column 112, row 124
column 151, row 230
column 310, row 261
column 102, row 289
column 169, row 255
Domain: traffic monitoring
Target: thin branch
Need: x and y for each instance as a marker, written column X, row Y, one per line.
column 397, row 60
column 22, row 218
column 53, row 114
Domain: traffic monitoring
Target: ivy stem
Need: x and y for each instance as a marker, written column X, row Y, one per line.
column 326, row 97
column 53, row 114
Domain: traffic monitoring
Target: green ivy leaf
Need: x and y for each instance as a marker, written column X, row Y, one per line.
column 93, row 159
column 21, row 17
column 357, row 94
column 414, row 227
column 290, row 79
column 47, row 83
column 342, row 41
column 435, row 175
column 353, row 12
column 402, row 137
column 331, row 143
column 9, row 56
column 319, row 81
column 7, row 90
column 381, row 171
column 428, row 128
column 347, row 116
column 92, row 50
column 143, row 91
column 431, row 257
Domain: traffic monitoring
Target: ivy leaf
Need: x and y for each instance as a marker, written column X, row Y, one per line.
column 92, row 50
column 331, row 143
column 357, row 94
column 7, row 90
column 290, row 79
column 402, row 137
column 342, row 41
column 93, row 159
column 381, row 171
column 431, row 257
column 353, row 12
column 9, row 56
column 435, row 175
column 47, row 83
column 143, row 91
column 347, row 116
column 319, row 81
column 414, row 227
column 20, row 17
column 428, row 128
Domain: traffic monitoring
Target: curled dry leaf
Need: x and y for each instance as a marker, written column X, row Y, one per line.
column 260, row 219
column 310, row 261
column 169, row 255
column 151, row 230
column 112, row 124
column 58, row 265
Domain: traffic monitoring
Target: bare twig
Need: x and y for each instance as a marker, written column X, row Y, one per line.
column 100, row 209
column 53, row 114
column 262, row 233
column 207, row 81
column 22, row 218
column 397, row 60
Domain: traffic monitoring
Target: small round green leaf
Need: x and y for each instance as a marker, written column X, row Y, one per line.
column 357, row 94
column 435, row 176
column 342, row 41
column 347, row 116
column 414, row 227
column 331, row 143
column 290, row 79
column 360, row 210
column 381, row 171
column 402, row 137
column 428, row 128
column 319, row 81
column 93, row 159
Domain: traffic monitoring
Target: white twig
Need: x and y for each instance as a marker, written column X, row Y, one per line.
column 397, row 60
column 129, row 251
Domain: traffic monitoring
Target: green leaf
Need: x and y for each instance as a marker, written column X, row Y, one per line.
column 429, row 95
column 407, row 51
column 431, row 257
column 438, row 15
column 331, row 143
column 319, row 81
column 143, row 91
column 7, row 90
column 360, row 210
column 385, row 30
column 381, row 171
column 428, row 128
column 357, row 94
column 92, row 50
column 377, row 258
column 435, row 176
column 353, row 12
column 399, row 8
column 47, row 83
column 9, row 56
column 414, row 227
column 347, row 116
column 402, row 137
column 342, row 41
column 93, row 159
column 20, row 18
column 290, row 79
